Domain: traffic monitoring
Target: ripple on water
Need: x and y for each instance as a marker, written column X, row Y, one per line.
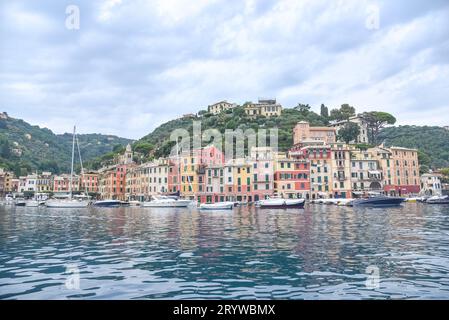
column 321, row 252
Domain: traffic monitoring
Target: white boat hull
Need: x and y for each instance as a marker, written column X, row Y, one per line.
column 166, row 203
column 217, row 206
column 32, row 204
column 67, row 204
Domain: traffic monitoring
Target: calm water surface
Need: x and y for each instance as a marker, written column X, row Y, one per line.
column 321, row 252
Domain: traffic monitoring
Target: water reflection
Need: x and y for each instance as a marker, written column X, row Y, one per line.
column 133, row 253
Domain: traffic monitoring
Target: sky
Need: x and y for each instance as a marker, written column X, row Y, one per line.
column 131, row 65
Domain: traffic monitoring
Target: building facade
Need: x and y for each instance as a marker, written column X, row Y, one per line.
column 304, row 134
column 431, row 184
column 221, row 106
column 265, row 108
column 363, row 135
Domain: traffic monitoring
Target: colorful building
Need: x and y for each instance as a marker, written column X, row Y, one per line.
column 341, row 170
column 291, row 177
column 320, row 174
column 89, row 182
column 264, row 108
column 221, row 106
column 304, row 134
column 366, row 175
column 112, row 182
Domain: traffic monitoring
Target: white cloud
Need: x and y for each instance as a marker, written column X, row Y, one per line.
column 135, row 64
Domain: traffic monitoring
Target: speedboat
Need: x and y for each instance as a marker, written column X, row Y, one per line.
column 166, row 202
column 108, row 203
column 134, row 203
column 438, row 200
column 378, row 201
column 279, row 203
column 32, row 203
column 227, row 205
column 66, row 204
column 20, row 203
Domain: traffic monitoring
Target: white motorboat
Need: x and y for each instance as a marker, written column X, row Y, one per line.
column 279, row 203
column 134, row 203
column 438, row 200
column 32, row 203
column 227, row 205
column 166, row 202
column 66, row 204
column 20, row 203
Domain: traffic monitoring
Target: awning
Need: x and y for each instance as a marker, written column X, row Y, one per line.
column 374, row 172
column 357, row 192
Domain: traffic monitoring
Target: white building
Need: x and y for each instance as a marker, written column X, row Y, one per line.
column 366, row 174
column 363, row 136
column 431, row 184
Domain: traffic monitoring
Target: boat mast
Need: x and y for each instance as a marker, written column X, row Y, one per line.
column 82, row 167
column 73, row 161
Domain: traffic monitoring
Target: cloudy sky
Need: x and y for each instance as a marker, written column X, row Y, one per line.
column 134, row 64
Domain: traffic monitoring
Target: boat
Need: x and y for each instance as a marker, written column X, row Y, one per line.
column 378, row 201
column 279, row 203
column 166, row 202
column 70, row 202
column 32, row 203
column 20, row 203
column 108, row 203
column 227, row 205
column 345, row 202
column 438, row 200
column 134, row 203
column 66, row 204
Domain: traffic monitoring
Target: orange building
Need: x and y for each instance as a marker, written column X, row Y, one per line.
column 89, row 182
column 112, row 182
column 304, row 134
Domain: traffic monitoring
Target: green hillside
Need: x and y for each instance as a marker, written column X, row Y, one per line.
column 25, row 148
column 157, row 143
column 432, row 141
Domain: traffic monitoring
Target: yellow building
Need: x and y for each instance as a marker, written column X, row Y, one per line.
column 221, row 106
column 265, row 108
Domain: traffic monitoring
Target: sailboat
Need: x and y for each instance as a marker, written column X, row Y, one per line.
column 70, row 202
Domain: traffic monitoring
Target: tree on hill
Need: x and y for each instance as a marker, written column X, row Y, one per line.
column 303, row 108
column 342, row 114
column 349, row 132
column 324, row 111
column 377, row 120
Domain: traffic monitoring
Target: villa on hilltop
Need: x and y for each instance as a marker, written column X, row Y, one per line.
column 264, row 107
column 221, row 106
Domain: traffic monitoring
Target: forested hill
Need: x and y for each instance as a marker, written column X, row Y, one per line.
column 432, row 141
column 25, row 148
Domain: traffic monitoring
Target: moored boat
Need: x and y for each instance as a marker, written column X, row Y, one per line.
column 378, row 201
column 438, row 200
column 66, row 204
column 166, row 202
column 20, row 203
column 108, row 203
column 227, row 205
column 32, row 203
column 279, row 203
